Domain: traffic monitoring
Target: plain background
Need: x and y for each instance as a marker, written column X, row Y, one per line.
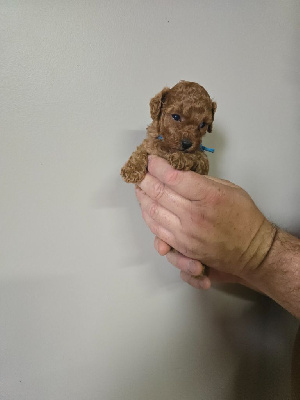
column 88, row 309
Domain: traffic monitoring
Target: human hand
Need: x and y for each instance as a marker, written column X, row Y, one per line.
column 193, row 271
column 207, row 220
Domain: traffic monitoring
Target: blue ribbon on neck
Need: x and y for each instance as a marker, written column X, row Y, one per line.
column 202, row 148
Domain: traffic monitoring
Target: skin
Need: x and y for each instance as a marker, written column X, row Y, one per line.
column 200, row 220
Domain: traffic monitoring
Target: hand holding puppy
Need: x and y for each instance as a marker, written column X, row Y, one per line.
column 207, row 220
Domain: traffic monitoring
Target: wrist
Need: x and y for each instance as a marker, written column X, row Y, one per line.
column 278, row 275
column 259, row 247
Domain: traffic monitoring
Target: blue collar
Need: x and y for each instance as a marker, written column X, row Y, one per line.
column 202, row 148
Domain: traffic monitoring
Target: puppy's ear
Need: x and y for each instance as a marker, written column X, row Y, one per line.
column 156, row 103
column 213, row 110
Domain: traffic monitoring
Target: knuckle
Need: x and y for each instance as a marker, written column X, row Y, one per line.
column 173, row 177
column 153, row 209
column 158, row 190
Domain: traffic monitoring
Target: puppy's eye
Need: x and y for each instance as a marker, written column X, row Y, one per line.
column 202, row 125
column 176, row 117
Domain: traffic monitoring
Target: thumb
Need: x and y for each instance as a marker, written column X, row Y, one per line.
column 186, row 183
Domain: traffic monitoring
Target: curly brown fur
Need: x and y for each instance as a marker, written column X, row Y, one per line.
column 196, row 110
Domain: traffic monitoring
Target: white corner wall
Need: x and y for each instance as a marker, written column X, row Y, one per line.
column 88, row 309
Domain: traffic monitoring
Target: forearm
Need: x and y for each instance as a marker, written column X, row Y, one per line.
column 278, row 276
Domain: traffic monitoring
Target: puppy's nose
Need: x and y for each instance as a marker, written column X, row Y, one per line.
column 186, row 144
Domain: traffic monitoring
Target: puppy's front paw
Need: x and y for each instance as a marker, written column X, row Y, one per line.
column 131, row 174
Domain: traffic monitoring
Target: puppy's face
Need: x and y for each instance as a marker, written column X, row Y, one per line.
column 183, row 115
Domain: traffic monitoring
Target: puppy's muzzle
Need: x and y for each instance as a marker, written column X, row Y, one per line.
column 186, row 144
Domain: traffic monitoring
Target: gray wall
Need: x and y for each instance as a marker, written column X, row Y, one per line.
column 88, row 309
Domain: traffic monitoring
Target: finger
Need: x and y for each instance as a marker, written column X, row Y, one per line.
column 158, row 230
column 158, row 213
column 165, row 196
column 161, row 247
column 198, row 283
column 185, row 264
column 187, row 184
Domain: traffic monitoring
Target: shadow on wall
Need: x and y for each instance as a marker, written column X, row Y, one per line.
column 262, row 337
column 117, row 194
column 296, row 368
column 258, row 341
column 265, row 352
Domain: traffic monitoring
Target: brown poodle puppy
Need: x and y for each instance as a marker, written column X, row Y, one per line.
column 181, row 116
